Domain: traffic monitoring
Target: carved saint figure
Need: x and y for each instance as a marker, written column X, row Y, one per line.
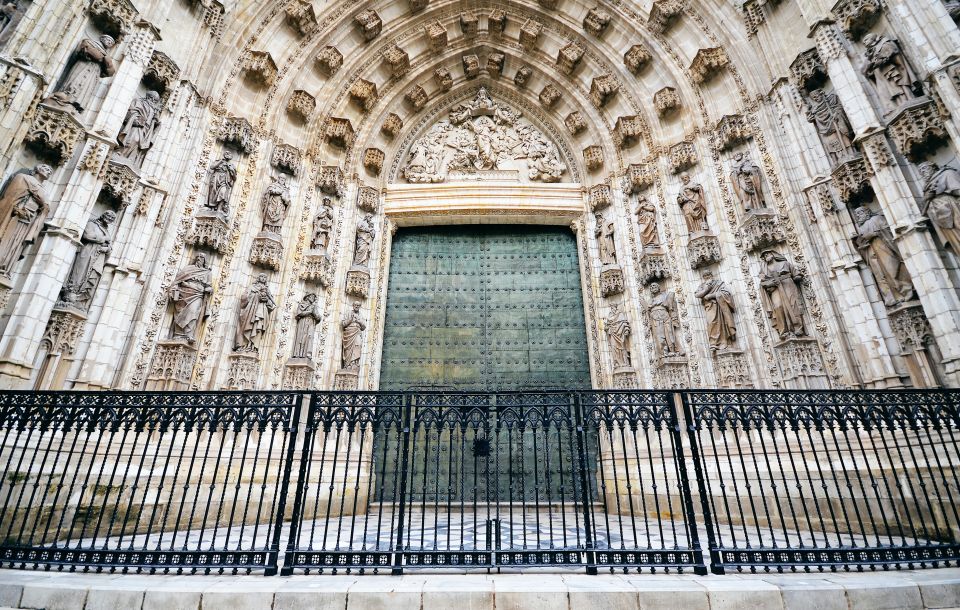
column 781, row 295
column 275, row 203
column 876, row 246
column 9, row 11
column 139, row 130
column 747, row 182
column 606, row 241
column 255, row 308
column 827, row 115
column 953, row 9
column 84, row 276
column 647, row 222
column 888, row 68
column 941, row 200
column 618, row 331
column 366, row 233
column 91, row 62
column 664, row 322
column 23, row 210
column 308, row 315
column 322, row 225
column 223, row 175
column 190, row 293
column 692, row 204
column 717, row 301
column 352, row 342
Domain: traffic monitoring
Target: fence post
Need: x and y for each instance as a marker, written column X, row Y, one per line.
column 690, row 516
column 404, row 460
column 585, row 498
column 295, row 518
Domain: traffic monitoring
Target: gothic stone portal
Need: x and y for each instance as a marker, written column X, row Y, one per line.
column 484, row 308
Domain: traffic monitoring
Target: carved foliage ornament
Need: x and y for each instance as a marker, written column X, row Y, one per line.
column 603, row 89
column 666, row 101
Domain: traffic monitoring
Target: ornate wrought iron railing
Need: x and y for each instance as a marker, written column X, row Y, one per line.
column 388, row 481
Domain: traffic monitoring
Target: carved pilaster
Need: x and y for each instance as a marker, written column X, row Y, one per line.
column 54, row 134
column 683, row 156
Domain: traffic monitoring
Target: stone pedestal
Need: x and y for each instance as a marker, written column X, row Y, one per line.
column 346, row 380
column 732, row 369
column 243, row 371
column 801, row 365
column 760, row 229
column 358, row 282
column 316, row 268
column 913, row 332
column 266, row 251
column 210, row 230
column 653, row 266
column 298, row 374
column 172, row 366
column 611, row 280
column 625, row 378
column 672, row 372
column 60, row 338
column 703, row 249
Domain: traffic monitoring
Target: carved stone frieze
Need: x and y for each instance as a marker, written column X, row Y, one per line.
column 596, row 21
column 392, row 125
column 358, row 283
column 593, row 157
column 549, row 96
column 628, row 130
column 761, row 229
column 637, row 58
column 113, row 17
column 522, row 76
column 397, row 59
column 417, row 97
column 436, row 36
column 530, row 33
column 54, row 134
column 666, row 101
column 917, row 129
column 601, row 197
column 210, row 231
column 703, row 250
column 260, row 68
column 243, row 371
column 162, row 74
column 368, row 199
column 330, row 180
column 808, row 71
column 653, row 266
column 569, row 56
column 286, row 158
column 611, row 281
column 238, row 132
column 469, row 23
column 471, row 66
column 363, row 94
column 663, row 14
column 639, row 176
column 368, row 23
column 63, row 331
column 707, row 64
column 340, row 132
column 317, row 268
column 443, row 79
column 495, row 63
column 733, row 129
column 301, row 105
column 732, row 369
column 120, row 182
column 801, row 364
column 683, row 155
column 852, row 180
column 497, row 21
column 301, row 17
column 266, row 251
column 172, row 367
column 857, row 16
column 575, row 123
column 603, row 89
column 329, row 60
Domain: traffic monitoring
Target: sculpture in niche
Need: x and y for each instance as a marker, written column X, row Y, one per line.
column 322, row 225
column 275, row 202
column 875, row 243
column 223, row 175
column 23, row 210
column 483, row 135
column 647, row 222
column 717, row 301
column 308, row 315
column 781, row 295
column 618, row 331
column 606, row 241
column 664, row 322
column 87, row 269
column 887, row 67
column 190, row 294
column 953, row 9
column 693, row 205
column 139, row 129
column 255, row 308
column 366, row 233
column 352, row 341
column 9, row 13
column 91, row 62
column 941, row 200
column 747, row 180
column 827, row 115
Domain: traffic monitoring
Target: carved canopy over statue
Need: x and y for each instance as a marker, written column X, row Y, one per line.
column 483, row 135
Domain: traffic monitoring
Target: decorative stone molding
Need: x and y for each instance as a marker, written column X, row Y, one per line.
column 549, row 96
column 852, row 180
column 625, row 379
column 820, row 197
column 340, row 132
column 397, row 59
column 911, row 327
column 373, row 160
column 666, row 101
column 298, row 375
column 550, row 5
column 731, row 130
column 469, row 23
column 238, row 132
column 495, row 63
column 392, row 125
column 266, row 251
column 639, row 176
column 286, row 158
column 63, row 331
column 732, row 369
column 260, row 68
column 172, row 367
column 243, row 371
column 443, row 79
column 368, row 199
column 808, row 71
column 593, row 157
column 603, row 88
column 530, row 34
column 213, row 18
column 92, row 159
column 611, row 280
column 301, row 18
column 707, row 64
column 653, row 266
column 114, row 17
column 120, row 182
column 417, row 97
column 363, row 94
column 672, row 376
column 436, row 36
column 302, row 105
column 663, row 14
column 683, row 155
column 54, row 134
column 330, row 180
column 210, row 231
column 329, row 60
column 569, row 56
column 801, row 365
column 917, row 129
column 497, row 21
column 637, row 58
column 703, row 250
column 316, row 268
column 761, row 229
column 878, row 152
column 358, row 283
column 345, row 381
column 596, row 21
column 471, row 66
column 522, row 76
column 162, row 74
column 857, row 16
column 417, row 5
column 830, row 40
column 575, row 123
column 368, row 23
column 601, row 197
column 627, row 130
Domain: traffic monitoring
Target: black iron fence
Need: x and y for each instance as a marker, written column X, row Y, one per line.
column 388, row 481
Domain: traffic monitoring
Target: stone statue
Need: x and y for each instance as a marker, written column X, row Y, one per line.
column 941, row 201
column 664, row 322
column 190, row 293
column 255, row 308
column 322, row 225
column 9, row 12
column 647, row 222
column 223, row 175
column 366, row 233
column 781, row 295
column 275, row 203
column 888, row 68
column 139, row 130
column 875, row 243
column 91, row 62
column 717, row 301
column 953, row 9
column 308, row 315
column 606, row 241
column 747, row 182
column 618, row 330
column 693, row 205
column 827, row 115
column 353, row 327
column 84, row 276
column 23, row 210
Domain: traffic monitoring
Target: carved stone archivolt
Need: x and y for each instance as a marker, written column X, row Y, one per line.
column 707, row 64
column 328, row 60
column 54, row 134
column 637, row 58
column 917, row 129
column 666, row 101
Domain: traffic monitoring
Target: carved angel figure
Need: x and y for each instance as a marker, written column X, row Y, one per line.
column 747, row 180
